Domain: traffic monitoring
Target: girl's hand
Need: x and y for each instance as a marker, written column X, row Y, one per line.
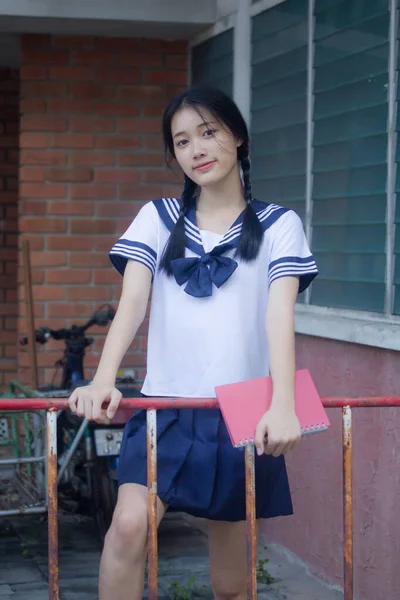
column 282, row 429
column 88, row 402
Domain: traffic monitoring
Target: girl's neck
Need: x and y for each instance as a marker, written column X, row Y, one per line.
column 226, row 194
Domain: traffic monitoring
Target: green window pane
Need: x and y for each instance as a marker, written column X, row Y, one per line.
column 212, row 62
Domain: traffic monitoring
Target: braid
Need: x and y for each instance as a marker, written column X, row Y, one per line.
column 252, row 232
column 175, row 247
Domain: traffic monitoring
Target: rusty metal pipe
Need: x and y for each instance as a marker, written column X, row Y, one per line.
column 347, row 502
column 152, row 504
column 27, row 404
column 52, row 503
column 251, row 531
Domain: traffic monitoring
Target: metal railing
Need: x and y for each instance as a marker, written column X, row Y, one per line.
column 154, row 404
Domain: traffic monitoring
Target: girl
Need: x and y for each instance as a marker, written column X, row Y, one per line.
column 225, row 271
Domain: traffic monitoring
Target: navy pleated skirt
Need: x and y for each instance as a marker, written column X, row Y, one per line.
column 199, row 472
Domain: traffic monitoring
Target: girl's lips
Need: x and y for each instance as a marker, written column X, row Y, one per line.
column 205, row 166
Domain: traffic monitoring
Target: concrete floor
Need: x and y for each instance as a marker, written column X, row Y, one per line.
column 182, row 559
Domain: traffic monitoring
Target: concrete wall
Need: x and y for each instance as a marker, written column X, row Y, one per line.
column 314, row 533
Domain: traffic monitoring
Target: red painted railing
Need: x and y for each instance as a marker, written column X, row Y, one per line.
column 154, row 404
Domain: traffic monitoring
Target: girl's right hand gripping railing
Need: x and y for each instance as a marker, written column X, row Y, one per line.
column 154, row 404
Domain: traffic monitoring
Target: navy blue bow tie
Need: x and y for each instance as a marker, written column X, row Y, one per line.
column 201, row 273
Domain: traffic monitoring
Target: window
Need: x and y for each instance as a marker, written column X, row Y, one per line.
column 212, row 62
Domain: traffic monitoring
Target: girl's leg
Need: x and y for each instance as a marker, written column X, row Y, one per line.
column 228, row 562
column 125, row 548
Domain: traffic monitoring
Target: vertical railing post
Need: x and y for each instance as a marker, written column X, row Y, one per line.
column 347, row 502
column 52, row 503
column 251, row 531
column 152, row 504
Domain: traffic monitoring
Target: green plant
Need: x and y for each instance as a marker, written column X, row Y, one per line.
column 185, row 591
column 263, row 575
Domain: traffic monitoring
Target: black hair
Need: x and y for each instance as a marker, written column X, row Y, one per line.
column 224, row 109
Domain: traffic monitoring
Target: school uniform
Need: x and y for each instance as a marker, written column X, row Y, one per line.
column 207, row 328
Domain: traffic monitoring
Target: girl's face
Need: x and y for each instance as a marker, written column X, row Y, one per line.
column 204, row 147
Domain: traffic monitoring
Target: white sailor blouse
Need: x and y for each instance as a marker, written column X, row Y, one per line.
column 207, row 322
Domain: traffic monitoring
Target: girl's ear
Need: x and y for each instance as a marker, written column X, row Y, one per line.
column 239, row 143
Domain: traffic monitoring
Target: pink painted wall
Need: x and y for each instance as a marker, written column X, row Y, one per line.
column 314, row 533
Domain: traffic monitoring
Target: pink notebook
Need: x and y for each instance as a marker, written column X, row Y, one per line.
column 243, row 404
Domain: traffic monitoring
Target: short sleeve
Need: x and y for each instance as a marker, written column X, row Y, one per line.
column 290, row 255
column 139, row 242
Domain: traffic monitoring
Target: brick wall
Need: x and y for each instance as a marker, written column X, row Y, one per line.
column 9, row 98
column 91, row 155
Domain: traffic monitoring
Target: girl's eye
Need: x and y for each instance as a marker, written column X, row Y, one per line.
column 181, row 143
column 209, row 132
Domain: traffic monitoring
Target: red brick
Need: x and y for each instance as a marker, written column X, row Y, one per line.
column 140, row 93
column 8, row 198
column 107, row 277
column 33, row 72
column 105, row 242
column 140, row 160
column 31, row 174
column 36, row 242
column 93, row 58
column 11, row 212
column 70, row 140
column 71, row 73
column 153, row 109
column 46, row 190
column 43, row 89
column 143, row 60
column 92, row 191
column 92, row 158
column 32, row 105
column 70, row 309
column 67, row 276
column 77, row 208
column 48, row 259
column 68, row 175
column 176, row 61
column 47, row 225
column 140, row 125
column 73, row 41
column 88, row 259
column 33, row 140
column 117, row 175
column 12, row 156
column 7, row 141
column 117, row 109
column 12, row 183
column 43, row 157
column 121, row 76
column 168, row 47
column 103, row 293
column 72, row 107
column 81, row 91
column 35, row 40
column 44, row 57
column 173, row 90
column 165, row 76
column 43, row 123
column 7, row 170
column 11, row 240
column 48, row 293
column 129, row 191
column 10, row 87
column 161, row 176
column 12, row 128
column 10, row 324
column 172, row 191
column 118, row 44
column 93, row 125
column 92, row 226
column 9, row 310
column 64, row 242
column 120, row 208
column 117, row 142
column 151, row 142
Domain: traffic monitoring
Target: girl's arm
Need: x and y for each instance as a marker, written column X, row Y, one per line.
column 280, row 423
column 87, row 401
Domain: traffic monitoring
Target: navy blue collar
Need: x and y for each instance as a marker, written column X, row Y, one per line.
column 211, row 268
column 168, row 210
